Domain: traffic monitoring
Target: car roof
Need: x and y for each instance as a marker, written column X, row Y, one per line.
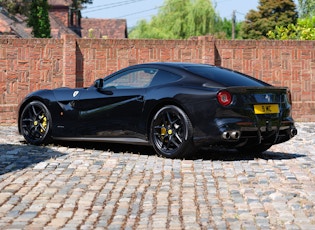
column 217, row 75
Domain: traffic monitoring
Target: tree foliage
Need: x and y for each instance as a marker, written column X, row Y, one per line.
column 306, row 8
column 179, row 19
column 271, row 13
column 15, row 6
column 223, row 29
column 39, row 19
column 303, row 30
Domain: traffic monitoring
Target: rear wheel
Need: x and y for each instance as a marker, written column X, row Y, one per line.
column 171, row 132
column 35, row 123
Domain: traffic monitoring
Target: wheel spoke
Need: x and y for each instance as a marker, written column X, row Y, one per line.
column 163, row 144
column 32, row 131
column 180, row 140
column 34, row 111
column 26, row 128
column 30, row 114
column 37, row 132
column 172, row 118
column 157, row 127
column 42, row 127
column 27, row 120
column 168, row 143
column 171, row 140
column 168, row 117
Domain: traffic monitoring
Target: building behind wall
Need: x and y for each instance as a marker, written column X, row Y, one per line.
column 64, row 19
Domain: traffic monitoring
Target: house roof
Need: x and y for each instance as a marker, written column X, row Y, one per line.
column 13, row 25
column 58, row 28
column 103, row 28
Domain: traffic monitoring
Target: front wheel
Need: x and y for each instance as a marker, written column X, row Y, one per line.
column 35, row 123
column 171, row 133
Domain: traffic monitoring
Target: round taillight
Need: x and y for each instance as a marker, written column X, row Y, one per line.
column 224, row 98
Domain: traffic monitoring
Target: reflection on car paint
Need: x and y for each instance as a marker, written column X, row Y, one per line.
column 95, row 112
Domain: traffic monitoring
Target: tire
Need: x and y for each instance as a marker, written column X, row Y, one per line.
column 35, row 123
column 254, row 149
column 171, row 133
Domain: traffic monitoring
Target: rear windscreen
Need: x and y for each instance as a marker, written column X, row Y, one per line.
column 224, row 76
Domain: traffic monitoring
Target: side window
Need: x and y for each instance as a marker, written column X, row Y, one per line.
column 137, row 78
column 164, row 77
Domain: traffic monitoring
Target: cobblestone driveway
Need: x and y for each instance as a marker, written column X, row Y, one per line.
column 101, row 186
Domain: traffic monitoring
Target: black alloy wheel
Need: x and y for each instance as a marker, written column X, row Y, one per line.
column 171, row 133
column 35, row 123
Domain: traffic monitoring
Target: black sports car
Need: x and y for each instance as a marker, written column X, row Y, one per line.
column 175, row 107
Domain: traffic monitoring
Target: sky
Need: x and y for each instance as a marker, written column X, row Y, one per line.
column 136, row 10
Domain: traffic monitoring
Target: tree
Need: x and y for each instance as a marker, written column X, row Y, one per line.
column 15, row 6
column 223, row 29
column 271, row 13
column 306, row 8
column 303, row 30
column 39, row 19
column 179, row 19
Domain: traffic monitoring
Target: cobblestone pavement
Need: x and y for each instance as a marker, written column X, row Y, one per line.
column 101, row 186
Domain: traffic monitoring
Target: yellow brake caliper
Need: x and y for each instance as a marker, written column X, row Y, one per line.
column 44, row 123
column 163, row 131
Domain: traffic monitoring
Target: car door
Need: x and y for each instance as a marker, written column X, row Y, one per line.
column 114, row 109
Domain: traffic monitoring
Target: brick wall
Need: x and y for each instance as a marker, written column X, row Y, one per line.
column 102, row 57
column 27, row 65
column 30, row 64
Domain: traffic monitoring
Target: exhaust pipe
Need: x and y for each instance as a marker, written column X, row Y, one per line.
column 234, row 135
column 226, row 135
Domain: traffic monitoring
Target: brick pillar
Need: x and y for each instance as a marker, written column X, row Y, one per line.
column 209, row 51
column 69, row 61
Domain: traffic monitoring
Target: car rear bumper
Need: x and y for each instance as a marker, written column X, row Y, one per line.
column 238, row 132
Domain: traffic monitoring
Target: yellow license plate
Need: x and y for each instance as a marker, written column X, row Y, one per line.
column 266, row 108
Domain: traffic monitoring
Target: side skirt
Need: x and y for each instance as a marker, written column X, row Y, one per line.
column 134, row 141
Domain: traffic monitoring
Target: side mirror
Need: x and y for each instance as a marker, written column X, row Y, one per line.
column 99, row 83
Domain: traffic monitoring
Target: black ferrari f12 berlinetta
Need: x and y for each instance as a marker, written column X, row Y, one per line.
column 175, row 107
